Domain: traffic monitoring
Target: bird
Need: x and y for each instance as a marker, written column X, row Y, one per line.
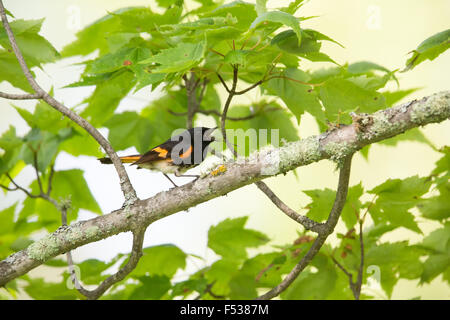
column 176, row 155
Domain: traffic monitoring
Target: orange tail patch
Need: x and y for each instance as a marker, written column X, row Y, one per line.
column 129, row 159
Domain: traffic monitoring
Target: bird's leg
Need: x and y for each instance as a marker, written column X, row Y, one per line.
column 170, row 180
column 178, row 174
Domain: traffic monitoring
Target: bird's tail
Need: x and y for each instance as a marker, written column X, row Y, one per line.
column 126, row 159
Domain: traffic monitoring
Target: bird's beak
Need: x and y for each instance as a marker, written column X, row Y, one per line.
column 208, row 134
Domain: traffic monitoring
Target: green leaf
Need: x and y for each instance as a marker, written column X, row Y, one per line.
column 161, row 260
column 157, row 113
column 395, row 198
column 244, row 12
column 107, row 96
column 12, row 72
column 13, row 171
column 352, row 206
column 143, row 19
column 321, row 205
column 121, row 58
column 313, row 285
column 261, row 6
column 438, row 240
column 309, row 47
column 298, row 97
column 395, row 260
column 35, row 48
column 45, row 117
column 91, row 269
column 152, row 288
column 429, row 49
column 9, row 13
column 442, row 165
column 393, row 97
column 436, row 208
column 38, row 289
column 282, row 18
column 414, row 134
column 145, row 77
column 7, row 234
column 81, row 143
column 71, row 183
column 11, row 145
column 268, row 116
column 69, row 186
column 230, row 239
column 129, row 129
column 181, row 58
column 434, row 266
column 364, row 67
column 42, row 144
column 260, row 271
column 237, row 57
column 169, row 3
column 341, row 95
column 242, row 286
column 94, row 36
column 221, row 272
column 185, row 288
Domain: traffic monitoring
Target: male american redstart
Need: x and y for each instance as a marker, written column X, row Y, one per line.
column 178, row 154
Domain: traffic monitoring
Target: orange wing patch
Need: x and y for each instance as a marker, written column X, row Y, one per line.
column 162, row 152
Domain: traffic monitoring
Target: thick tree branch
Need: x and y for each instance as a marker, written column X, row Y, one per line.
column 329, row 225
column 336, row 145
column 127, row 189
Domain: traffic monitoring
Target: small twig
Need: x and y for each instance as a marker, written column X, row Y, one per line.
column 249, row 88
column 355, row 286
column 295, row 80
column 36, row 170
column 17, row 187
column 23, row 96
column 7, row 188
column 105, row 285
column 359, row 278
column 339, row 202
column 223, row 82
column 216, row 52
column 256, row 44
column 340, row 266
column 136, row 254
column 50, row 180
column 217, row 113
column 208, row 290
column 125, row 184
column 192, row 102
column 202, row 92
column 223, row 118
column 306, row 222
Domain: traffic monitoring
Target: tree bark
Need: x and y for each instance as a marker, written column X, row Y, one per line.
column 335, row 145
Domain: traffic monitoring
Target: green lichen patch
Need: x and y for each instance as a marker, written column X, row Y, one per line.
column 45, row 248
column 434, row 109
column 300, row 153
column 338, row 151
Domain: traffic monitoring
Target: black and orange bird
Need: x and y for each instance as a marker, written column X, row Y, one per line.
column 177, row 155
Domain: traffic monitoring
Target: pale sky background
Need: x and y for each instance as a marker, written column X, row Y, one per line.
column 380, row 31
